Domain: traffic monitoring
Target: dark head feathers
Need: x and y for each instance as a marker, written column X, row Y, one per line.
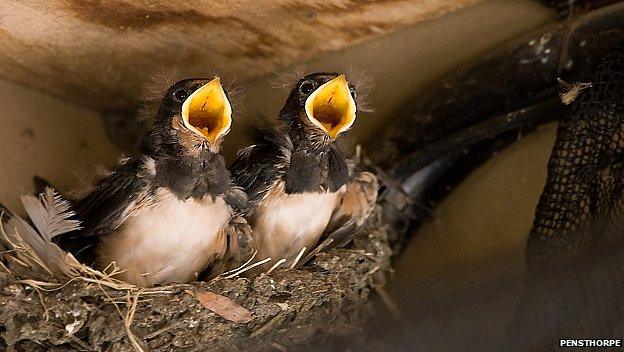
column 159, row 83
column 183, row 122
column 302, row 90
column 171, row 102
column 361, row 81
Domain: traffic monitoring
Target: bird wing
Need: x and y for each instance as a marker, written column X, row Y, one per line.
column 238, row 232
column 357, row 204
column 240, row 241
column 257, row 167
column 103, row 210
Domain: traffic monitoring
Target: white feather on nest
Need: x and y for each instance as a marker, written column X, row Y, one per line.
column 51, row 216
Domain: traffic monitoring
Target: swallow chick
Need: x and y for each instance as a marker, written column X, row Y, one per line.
column 299, row 185
column 169, row 213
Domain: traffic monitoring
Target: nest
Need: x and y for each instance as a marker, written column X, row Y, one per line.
column 323, row 301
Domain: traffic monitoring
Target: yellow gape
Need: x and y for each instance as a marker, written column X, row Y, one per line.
column 331, row 107
column 207, row 111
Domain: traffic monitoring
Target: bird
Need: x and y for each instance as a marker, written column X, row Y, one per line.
column 170, row 212
column 301, row 188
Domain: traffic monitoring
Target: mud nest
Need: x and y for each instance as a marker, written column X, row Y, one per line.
column 323, row 302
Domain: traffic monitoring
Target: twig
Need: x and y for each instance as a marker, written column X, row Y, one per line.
column 270, row 324
column 158, row 332
column 298, row 257
column 326, row 243
column 279, row 262
column 248, row 268
column 128, row 322
column 46, row 316
column 242, row 266
column 24, row 250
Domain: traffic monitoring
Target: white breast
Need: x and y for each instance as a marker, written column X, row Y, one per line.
column 168, row 241
column 285, row 223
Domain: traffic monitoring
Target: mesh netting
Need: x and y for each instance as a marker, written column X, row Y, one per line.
column 583, row 197
column 574, row 253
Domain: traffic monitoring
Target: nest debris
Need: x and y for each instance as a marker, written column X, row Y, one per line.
column 325, row 301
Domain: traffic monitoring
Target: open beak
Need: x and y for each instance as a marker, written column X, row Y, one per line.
column 207, row 111
column 331, row 107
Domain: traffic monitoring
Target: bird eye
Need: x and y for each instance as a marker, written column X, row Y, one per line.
column 180, row 95
column 352, row 91
column 307, row 87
